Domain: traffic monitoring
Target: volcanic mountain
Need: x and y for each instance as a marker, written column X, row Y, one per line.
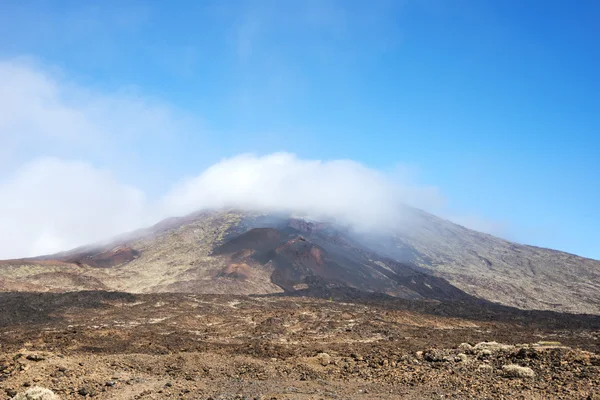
column 236, row 252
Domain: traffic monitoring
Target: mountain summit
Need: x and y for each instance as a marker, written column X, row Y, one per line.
column 236, row 252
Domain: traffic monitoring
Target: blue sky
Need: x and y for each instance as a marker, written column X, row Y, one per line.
column 494, row 104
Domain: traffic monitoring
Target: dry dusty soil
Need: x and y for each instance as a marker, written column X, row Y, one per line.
column 119, row 346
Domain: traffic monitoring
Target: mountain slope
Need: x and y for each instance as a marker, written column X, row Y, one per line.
column 251, row 253
column 299, row 262
column 495, row 269
column 226, row 252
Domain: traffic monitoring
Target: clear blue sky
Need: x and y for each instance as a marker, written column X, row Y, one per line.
column 496, row 103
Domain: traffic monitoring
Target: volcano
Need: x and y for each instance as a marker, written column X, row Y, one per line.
column 239, row 252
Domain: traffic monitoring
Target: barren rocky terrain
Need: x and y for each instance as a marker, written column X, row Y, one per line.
column 153, row 346
column 234, row 252
column 237, row 305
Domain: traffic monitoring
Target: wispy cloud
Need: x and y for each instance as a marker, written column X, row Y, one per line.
column 44, row 113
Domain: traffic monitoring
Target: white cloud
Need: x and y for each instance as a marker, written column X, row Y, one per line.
column 342, row 189
column 48, row 203
column 51, row 205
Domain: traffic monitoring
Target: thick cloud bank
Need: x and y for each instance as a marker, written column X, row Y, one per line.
column 343, row 190
column 51, row 205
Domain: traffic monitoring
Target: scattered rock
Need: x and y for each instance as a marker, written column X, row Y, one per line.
column 485, row 368
column 483, row 354
column 324, row 359
column 144, row 362
column 37, row 393
column 86, row 391
column 35, row 357
column 546, row 343
column 517, row 371
column 465, row 347
column 493, row 347
column 433, row 355
column 524, row 353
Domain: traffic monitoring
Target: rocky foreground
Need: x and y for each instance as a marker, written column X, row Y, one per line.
column 117, row 346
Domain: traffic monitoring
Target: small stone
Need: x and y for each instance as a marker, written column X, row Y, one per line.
column 35, row 357
column 526, row 353
column 465, row 347
column 485, row 368
column 493, row 347
column 516, row 371
column 38, row 393
column 484, row 354
column 324, row 359
column 85, row 391
column 433, row 355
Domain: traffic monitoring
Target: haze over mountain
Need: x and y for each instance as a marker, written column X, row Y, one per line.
column 35, row 223
column 239, row 252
